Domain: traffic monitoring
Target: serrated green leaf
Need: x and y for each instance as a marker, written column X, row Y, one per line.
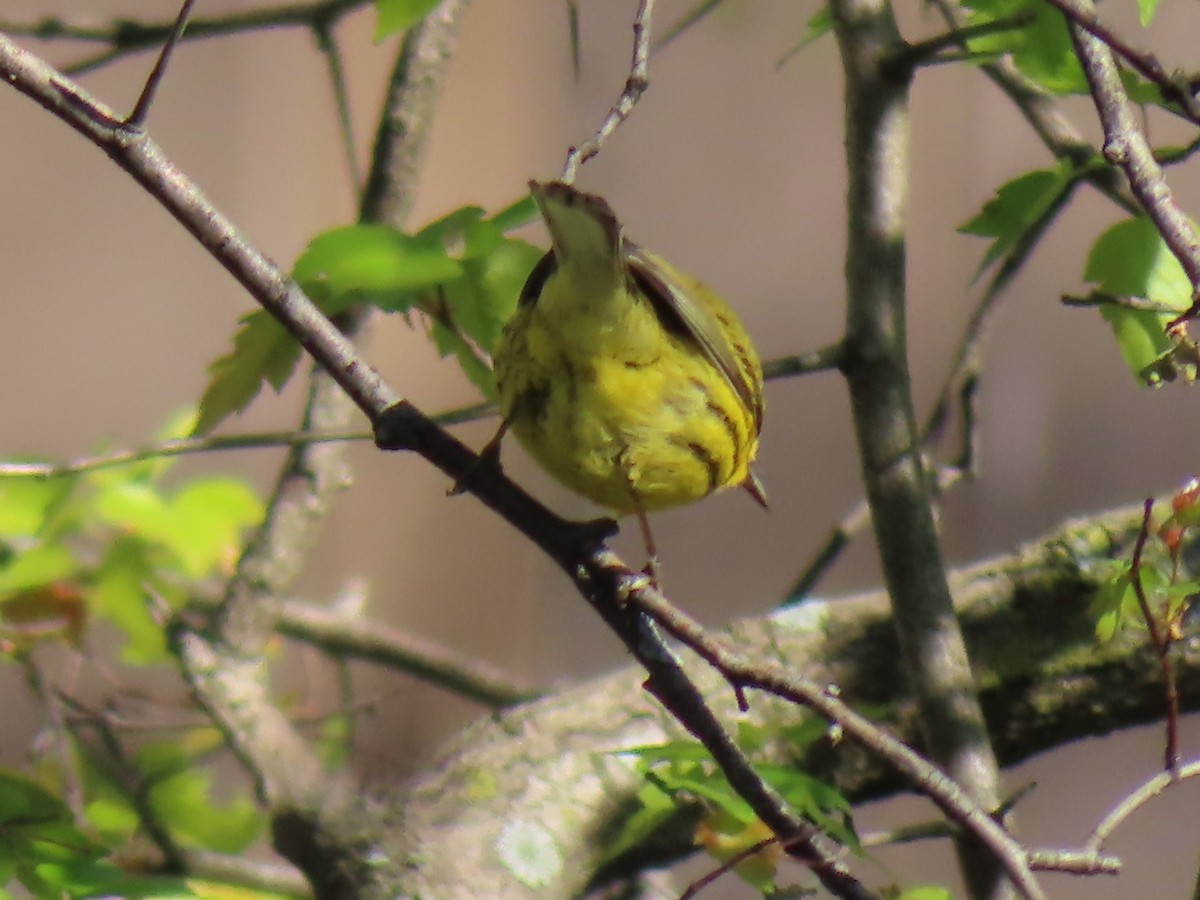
column 394, row 16
column 103, row 879
column 655, row 808
column 484, row 299
column 1040, row 46
column 262, row 352
column 1017, row 207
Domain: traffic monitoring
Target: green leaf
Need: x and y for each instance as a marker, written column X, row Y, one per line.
column 119, row 595
column 1131, row 260
column 371, row 264
column 1040, row 46
column 1146, row 11
column 262, row 352
column 23, row 800
column 184, row 802
column 208, row 519
column 395, row 16
column 27, row 503
column 38, row 565
column 925, row 892
column 656, row 807
column 1018, row 207
column 103, row 879
column 819, row 25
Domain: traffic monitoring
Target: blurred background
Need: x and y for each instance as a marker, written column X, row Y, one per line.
column 730, row 167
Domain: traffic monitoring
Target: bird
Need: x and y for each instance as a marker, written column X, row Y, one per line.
column 629, row 381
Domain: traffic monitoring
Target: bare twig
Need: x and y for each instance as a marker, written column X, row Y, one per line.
column 141, row 109
column 1150, row 789
column 211, row 444
column 1160, row 637
column 635, row 86
column 124, row 37
column 342, row 636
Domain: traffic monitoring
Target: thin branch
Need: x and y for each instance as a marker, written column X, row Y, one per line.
column 931, row 50
column 823, row 359
column 210, row 444
column 141, row 109
column 923, row 776
column 1150, row 789
column 323, row 32
column 635, row 86
column 1100, row 298
column 1082, row 16
column 51, row 701
column 1126, row 146
column 110, row 757
column 124, row 37
column 359, row 638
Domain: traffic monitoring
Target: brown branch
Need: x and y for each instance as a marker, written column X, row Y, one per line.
column 124, row 37
column 1126, row 146
column 635, row 86
column 1081, row 15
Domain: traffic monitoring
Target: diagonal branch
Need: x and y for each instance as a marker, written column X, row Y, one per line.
column 1125, row 146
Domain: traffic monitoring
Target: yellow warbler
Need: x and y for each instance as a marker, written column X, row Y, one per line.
column 629, row 381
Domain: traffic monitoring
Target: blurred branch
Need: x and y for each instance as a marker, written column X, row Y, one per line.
column 635, row 86
column 124, row 37
column 209, row 444
column 898, row 487
column 360, row 638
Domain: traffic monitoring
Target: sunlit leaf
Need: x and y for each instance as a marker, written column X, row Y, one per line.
column 1131, row 260
column 371, row 264
column 1037, row 41
column 394, row 16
